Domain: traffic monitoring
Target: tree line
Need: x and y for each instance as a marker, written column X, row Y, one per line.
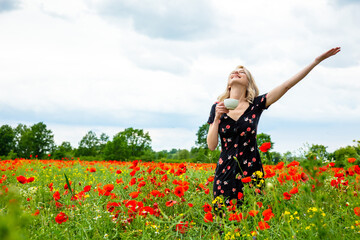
column 37, row 141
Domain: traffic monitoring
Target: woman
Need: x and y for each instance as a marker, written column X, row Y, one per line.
column 239, row 159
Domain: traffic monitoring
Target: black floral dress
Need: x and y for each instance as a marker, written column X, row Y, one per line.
column 238, row 141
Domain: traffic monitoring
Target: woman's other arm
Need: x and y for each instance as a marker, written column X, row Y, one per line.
column 280, row 90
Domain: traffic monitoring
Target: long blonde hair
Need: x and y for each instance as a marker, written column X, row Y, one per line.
column 252, row 90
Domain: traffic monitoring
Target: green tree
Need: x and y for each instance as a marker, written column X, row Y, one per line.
column 342, row 154
column 7, row 140
column 62, row 151
column 102, row 141
column 117, row 149
column 317, row 152
column 42, row 139
column 201, row 136
column 89, row 145
column 137, row 141
column 183, row 154
column 36, row 140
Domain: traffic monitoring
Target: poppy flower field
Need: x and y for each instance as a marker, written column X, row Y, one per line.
column 74, row 199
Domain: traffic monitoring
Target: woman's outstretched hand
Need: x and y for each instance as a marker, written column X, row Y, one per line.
column 327, row 54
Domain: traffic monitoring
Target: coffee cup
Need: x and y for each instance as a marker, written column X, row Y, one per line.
column 231, row 103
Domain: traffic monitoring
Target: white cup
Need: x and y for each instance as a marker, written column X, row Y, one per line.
column 231, row 103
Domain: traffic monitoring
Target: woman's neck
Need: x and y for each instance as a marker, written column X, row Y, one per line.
column 238, row 92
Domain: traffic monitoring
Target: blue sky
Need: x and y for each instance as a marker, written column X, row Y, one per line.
column 159, row 65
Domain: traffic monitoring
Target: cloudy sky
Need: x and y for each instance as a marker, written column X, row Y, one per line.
column 159, row 65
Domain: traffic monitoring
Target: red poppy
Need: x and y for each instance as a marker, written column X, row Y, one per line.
column 263, row 225
column 164, row 178
column 190, row 204
column 253, row 213
column 132, row 181
column 259, row 204
column 235, row 217
column 30, row 179
column 21, row 179
column 287, row 196
column 294, row 190
column 170, row 203
column 118, row 171
column 246, row 180
column 179, row 191
column 351, row 160
column 357, row 211
column 211, row 178
column 56, row 196
column 304, row 177
column 36, row 212
column 108, row 187
column 92, row 169
column 265, row 146
column 240, row 195
column 58, row 205
column 268, row 214
column 182, row 227
column 134, row 194
column 87, row 188
column 141, row 184
column 208, row 217
column 207, row 191
column 207, row 207
column 61, row 217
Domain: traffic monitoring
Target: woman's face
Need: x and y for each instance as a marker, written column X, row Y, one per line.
column 238, row 76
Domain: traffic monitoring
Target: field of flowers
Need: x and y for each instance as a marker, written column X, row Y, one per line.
column 52, row 199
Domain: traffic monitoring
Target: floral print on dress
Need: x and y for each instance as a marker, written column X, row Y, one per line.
column 238, row 147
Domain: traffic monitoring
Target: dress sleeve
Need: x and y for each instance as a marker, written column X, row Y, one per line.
column 261, row 102
column 212, row 114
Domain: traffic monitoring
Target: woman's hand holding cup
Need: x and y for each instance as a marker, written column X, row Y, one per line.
column 220, row 110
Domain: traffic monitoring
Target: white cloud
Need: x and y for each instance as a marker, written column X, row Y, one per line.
column 74, row 63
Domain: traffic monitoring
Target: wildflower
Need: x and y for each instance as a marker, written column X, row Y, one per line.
column 287, row 196
column 36, row 212
column 207, row 207
column 170, row 203
column 87, row 188
column 208, row 217
column 182, row 227
column 265, row 147
column 240, row 195
column 56, row 196
column 294, row 190
column 61, row 218
column 351, row 160
column 263, row 225
column 246, row 180
column 235, row 217
column 179, row 191
column 253, row 213
column 134, row 194
column 21, row 179
column 357, row 211
column 268, row 214
column 108, row 187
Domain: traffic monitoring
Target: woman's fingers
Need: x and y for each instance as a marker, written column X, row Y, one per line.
column 220, row 108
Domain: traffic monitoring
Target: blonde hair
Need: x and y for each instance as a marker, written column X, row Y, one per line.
column 252, row 90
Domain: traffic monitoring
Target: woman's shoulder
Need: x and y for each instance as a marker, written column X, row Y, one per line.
column 260, row 98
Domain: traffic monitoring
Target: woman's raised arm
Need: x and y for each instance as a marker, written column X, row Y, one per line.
column 280, row 90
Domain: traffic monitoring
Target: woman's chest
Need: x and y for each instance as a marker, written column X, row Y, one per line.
column 246, row 124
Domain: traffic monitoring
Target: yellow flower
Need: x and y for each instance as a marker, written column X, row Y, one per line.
column 259, row 174
column 287, row 213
